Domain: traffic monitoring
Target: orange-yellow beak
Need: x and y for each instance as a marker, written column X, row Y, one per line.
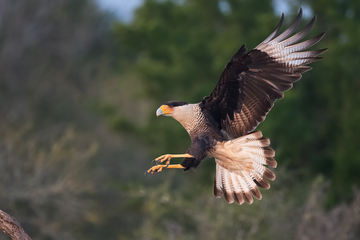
column 164, row 110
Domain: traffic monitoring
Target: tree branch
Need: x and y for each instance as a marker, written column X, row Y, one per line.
column 11, row 227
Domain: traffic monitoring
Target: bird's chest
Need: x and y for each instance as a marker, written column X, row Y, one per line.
column 195, row 122
column 197, row 128
column 201, row 127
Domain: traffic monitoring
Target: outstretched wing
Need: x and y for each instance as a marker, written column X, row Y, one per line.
column 251, row 82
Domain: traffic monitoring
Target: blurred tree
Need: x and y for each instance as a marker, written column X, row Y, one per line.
column 338, row 88
column 322, row 110
column 42, row 185
column 66, row 174
column 178, row 49
column 52, row 55
column 47, row 56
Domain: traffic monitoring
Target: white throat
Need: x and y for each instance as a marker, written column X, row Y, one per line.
column 188, row 115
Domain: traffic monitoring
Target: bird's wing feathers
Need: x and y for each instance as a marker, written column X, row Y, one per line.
column 251, row 82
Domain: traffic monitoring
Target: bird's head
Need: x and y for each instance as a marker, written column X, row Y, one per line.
column 168, row 108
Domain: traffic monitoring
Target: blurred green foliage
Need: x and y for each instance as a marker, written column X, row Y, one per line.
column 78, row 95
column 178, row 50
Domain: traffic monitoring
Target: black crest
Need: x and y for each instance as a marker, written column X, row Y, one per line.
column 175, row 103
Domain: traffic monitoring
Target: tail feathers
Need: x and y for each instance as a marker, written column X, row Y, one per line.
column 239, row 182
column 259, row 180
column 235, row 188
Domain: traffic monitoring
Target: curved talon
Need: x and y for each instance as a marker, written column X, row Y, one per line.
column 155, row 169
column 146, row 173
column 159, row 168
column 163, row 158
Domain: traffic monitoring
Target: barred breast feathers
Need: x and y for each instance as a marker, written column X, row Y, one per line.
column 191, row 118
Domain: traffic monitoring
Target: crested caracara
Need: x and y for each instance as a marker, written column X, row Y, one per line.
column 222, row 125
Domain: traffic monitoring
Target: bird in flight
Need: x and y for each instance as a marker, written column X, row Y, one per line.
column 222, row 125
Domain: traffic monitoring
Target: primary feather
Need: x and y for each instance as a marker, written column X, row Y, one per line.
column 251, row 82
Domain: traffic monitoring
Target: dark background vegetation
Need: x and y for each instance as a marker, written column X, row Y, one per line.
column 78, row 94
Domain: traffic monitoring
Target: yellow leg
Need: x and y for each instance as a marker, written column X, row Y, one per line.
column 167, row 158
column 159, row 168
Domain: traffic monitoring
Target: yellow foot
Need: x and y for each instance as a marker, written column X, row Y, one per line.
column 159, row 168
column 162, row 159
column 155, row 169
column 166, row 158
